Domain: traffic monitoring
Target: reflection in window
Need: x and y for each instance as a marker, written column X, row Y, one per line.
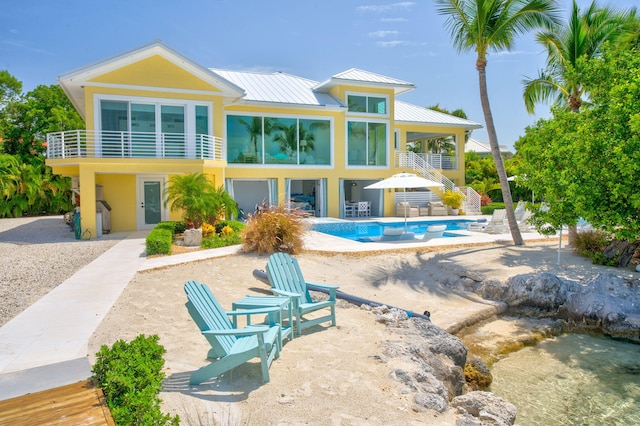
column 271, row 140
column 367, row 104
column 367, row 144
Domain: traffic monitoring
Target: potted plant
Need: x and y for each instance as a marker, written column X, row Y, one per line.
column 453, row 200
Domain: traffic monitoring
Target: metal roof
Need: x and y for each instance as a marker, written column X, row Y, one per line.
column 278, row 87
column 474, row 145
column 357, row 77
column 416, row 114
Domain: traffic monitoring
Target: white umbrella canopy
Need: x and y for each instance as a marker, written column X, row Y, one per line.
column 404, row 180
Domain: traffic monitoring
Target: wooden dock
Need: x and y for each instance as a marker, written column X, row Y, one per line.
column 76, row 404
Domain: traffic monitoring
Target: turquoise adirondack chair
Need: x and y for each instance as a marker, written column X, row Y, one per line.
column 286, row 279
column 230, row 346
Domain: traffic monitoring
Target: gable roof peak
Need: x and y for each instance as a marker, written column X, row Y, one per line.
column 362, row 78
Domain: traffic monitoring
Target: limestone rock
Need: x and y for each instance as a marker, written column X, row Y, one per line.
column 477, row 374
column 608, row 301
column 441, row 342
column 193, row 237
column 488, row 408
column 543, row 291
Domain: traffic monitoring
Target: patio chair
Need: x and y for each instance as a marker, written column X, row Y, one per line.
column 498, row 222
column 523, row 222
column 230, row 346
column 364, row 208
column 286, row 279
column 434, row 231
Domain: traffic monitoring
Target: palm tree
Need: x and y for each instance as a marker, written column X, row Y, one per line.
column 481, row 25
column 581, row 37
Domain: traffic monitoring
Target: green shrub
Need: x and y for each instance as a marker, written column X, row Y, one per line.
column 217, row 240
column 130, row 374
column 592, row 244
column 233, row 224
column 159, row 241
column 176, row 227
column 273, row 230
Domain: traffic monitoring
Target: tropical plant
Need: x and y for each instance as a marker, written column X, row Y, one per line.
column 582, row 36
column 199, row 201
column 273, row 230
column 483, row 25
column 453, row 199
column 31, row 188
column 586, row 165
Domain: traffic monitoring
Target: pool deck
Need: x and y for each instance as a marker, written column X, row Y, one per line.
column 318, row 241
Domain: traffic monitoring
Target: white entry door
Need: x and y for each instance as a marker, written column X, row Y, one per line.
column 149, row 201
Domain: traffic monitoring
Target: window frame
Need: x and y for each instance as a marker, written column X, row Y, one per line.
column 387, row 145
column 367, row 96
column 296, row 117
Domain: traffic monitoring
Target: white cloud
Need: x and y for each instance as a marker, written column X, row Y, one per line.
column 393, row 43
column 382, row 34
column 386, row 7
column 393, row 20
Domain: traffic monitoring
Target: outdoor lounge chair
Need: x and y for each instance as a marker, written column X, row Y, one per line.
column 523, row 222
column 286, row 279
column 404, row 209
column 498, row 222
column 434, row 231
column 230, row 346
column 437, row 208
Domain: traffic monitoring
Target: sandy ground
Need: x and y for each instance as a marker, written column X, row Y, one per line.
column 330, row 375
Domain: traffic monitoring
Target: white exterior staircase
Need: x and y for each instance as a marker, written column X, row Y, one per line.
column 421, row 167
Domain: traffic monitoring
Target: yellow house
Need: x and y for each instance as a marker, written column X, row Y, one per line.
column 267, row 137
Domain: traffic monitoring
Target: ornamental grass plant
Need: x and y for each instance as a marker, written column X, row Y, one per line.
column 273, row 230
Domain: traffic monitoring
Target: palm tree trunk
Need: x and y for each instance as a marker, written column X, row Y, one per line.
column 481, row 65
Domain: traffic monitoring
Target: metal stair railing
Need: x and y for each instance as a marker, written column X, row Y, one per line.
column 422, row 167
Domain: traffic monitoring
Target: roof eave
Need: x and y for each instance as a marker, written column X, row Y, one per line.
column 471, row 126
column 332, row 82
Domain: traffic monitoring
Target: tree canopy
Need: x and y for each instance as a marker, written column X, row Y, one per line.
column 27, row 119
column 591, row 160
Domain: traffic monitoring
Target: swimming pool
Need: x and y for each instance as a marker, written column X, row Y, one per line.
column 366, row 231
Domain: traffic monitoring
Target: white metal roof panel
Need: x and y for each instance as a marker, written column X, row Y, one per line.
column 357, row 77
column 407, row 112
column 278, row 88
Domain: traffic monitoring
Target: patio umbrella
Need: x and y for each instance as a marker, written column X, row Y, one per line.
column 404, row 180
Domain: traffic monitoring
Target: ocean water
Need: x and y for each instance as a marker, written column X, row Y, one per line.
column 574, row 379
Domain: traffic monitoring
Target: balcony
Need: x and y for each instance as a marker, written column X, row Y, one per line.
column 109, row 144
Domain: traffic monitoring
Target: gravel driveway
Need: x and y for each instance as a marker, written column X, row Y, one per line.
column 36, row 255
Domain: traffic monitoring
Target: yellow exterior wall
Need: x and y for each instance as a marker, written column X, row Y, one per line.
column 155, row 71
column 120, row 192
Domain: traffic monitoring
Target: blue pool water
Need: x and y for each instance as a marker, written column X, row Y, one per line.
column 365, row 231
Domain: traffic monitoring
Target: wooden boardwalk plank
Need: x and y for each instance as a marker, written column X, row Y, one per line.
column 75, row 404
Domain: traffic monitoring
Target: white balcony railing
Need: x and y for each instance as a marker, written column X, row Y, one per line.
column 107, row 144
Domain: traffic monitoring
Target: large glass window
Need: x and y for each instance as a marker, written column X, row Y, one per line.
column 143, row 130
column 366, row 143
column 172, row 117
column 114, row 116
column 367, row 104
column 150, row 128
column 278, row 140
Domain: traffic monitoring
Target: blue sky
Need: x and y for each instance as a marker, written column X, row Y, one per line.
column 315, row 39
